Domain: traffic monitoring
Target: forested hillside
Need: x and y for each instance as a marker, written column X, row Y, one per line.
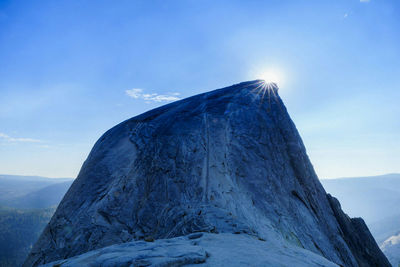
column 26, row 205
column 19, row 229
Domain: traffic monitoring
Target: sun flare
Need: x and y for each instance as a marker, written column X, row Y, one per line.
column 272, row 75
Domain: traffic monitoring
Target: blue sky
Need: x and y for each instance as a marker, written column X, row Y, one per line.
column 70, row 70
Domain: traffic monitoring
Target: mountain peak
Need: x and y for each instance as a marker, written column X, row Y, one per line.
column 227, row 161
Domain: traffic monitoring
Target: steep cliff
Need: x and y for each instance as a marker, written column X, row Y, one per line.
column 227, row 161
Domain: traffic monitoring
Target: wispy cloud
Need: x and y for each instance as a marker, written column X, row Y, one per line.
column 364, row 1
column 14, row 139
column 138, row 93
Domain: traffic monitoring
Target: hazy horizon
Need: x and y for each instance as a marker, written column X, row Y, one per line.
column 321, row 178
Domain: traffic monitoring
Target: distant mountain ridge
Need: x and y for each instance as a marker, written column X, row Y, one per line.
column 26, row 205
column 45, row 197
column 373, row 198
column 32, row 191
column 377, row 200
column 33, row 178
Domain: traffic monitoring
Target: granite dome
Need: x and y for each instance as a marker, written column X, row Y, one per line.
column 228, row 161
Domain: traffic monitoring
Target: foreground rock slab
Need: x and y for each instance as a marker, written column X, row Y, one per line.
column 206, row 250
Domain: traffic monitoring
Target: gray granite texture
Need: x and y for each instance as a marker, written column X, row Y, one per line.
column 212, row 250
column 226, row 161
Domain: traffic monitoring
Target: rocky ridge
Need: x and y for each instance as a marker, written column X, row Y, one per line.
column 228, row 161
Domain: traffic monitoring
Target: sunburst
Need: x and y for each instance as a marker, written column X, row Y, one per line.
column 264, row 88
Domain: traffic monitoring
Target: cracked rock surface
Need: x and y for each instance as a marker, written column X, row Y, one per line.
column 208, row 250
column 227, row 161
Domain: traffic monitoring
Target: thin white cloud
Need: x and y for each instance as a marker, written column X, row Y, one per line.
column 138, row 93
column 134, row 93
column 364, row 1
column 13, row 139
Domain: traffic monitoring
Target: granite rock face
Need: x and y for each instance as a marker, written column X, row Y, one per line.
column 357, row 236
column 227, row 161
